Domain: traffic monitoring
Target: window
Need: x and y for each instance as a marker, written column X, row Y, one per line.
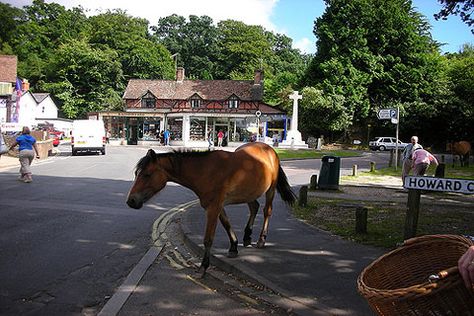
column 148, row 101
column 233, row 102
column 195, row 103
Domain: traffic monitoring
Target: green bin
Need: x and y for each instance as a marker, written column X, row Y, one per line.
column 329, row 173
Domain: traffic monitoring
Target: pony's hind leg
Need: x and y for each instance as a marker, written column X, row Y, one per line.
column 253, row 208
column 267, row 213
column 230, row 232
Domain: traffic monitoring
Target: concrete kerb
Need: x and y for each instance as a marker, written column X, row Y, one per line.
column 281, row 298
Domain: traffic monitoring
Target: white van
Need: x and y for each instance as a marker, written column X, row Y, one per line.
column 88, row 136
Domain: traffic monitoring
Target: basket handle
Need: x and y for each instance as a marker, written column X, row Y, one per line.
column 443, row 274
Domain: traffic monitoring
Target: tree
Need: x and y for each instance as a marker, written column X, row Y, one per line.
column 325, row 109
column 128, row 36
column 375, row 53
column 85, row 79
column 244, row 48
column 463, row 8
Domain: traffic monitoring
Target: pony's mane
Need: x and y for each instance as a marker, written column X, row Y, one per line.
column 176, row 153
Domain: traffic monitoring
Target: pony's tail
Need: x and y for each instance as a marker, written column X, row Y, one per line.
column 284, row 189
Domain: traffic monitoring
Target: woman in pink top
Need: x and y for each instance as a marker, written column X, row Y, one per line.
column 421, row 161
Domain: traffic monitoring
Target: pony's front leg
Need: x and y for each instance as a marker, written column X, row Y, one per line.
column 211, row 223
column 253, row 208
column 233, row 252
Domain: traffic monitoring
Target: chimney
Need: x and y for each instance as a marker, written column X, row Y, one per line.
column 179, row 74
column 25, row 85
column 258, row 77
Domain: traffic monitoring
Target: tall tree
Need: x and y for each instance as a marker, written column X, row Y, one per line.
column 85, row 79
column 375, row 53
column 128, row 36
column 244, row 48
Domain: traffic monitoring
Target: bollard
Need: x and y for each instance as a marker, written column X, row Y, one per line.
column 372, row 166
column 390, row 162
column 442, row 158
column 361, row 220
column 313, row 182
column 303, row 196
column 354, row 170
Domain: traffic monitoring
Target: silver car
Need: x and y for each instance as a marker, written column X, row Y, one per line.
column 386, row 143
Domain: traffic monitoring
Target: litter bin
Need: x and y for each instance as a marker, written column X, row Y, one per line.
column 329, row 173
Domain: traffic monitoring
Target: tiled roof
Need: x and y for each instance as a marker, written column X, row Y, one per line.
column 8, row 65
column 39, row 97
column 206, row 89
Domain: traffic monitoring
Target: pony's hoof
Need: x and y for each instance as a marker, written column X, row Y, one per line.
column 261, row 243
column 247, row 242
column 232, row 254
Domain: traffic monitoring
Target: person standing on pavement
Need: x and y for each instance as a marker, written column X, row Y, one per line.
column 421, row 161
column 210, row 139
column 220, row 138
column 407, row 156
column 166, row 136
column 27, row 143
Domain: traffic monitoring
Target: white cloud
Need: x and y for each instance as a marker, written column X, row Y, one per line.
column 305, row 45
column 253, row 12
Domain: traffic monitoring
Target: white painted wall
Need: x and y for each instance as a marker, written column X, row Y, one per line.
column 46, row 109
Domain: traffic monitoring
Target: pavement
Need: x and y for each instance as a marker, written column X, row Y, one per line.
column 306, row 270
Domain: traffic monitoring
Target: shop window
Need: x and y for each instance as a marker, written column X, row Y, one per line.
column 175, row 126
column 198, row 128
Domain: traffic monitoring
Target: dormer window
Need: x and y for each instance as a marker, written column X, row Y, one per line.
column 148, row 100
column 195, row 101
column 234, row 102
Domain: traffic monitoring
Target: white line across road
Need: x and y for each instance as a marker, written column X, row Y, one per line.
column 116, row 302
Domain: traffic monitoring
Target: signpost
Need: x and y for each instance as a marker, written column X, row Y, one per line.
column 394, row 116
column 416, row 184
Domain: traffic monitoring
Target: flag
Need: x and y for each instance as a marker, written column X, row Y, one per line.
column 16, row 112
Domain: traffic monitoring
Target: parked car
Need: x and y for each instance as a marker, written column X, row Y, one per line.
column 55, row 139
column 386, row 143
column 57, row 133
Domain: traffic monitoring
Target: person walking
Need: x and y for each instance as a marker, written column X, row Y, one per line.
column 26, row 144
column 166, row 136
column 407, row 153
column 220, row 138
column 421, row 161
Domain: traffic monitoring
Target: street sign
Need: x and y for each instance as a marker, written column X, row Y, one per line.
column 439, row 184
column 387, row 114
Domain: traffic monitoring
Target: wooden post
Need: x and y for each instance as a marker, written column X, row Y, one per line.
column 313, row 182
column 303, row 196
column 413, row 209
column 372, row 166
column 361, row 220
column 440, row 170
column 354, row 170
column 442, row 158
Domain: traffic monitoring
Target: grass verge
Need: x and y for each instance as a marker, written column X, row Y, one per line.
column 385, row 222
column 313, row 154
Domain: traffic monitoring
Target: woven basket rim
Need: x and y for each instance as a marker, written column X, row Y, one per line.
column 422, row 288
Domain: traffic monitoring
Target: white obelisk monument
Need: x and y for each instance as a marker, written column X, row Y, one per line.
column 293, row 136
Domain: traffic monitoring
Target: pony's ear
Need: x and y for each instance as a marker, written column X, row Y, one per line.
column 151, row 153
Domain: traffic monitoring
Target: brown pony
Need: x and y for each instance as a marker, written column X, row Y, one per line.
column 218, row 178
column 462, row 149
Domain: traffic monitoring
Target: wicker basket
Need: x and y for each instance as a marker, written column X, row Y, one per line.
column 419, row 278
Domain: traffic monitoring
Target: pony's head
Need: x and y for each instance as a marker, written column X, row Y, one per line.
column 150, row 178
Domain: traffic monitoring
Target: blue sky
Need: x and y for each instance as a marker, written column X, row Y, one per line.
column 295, row 18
